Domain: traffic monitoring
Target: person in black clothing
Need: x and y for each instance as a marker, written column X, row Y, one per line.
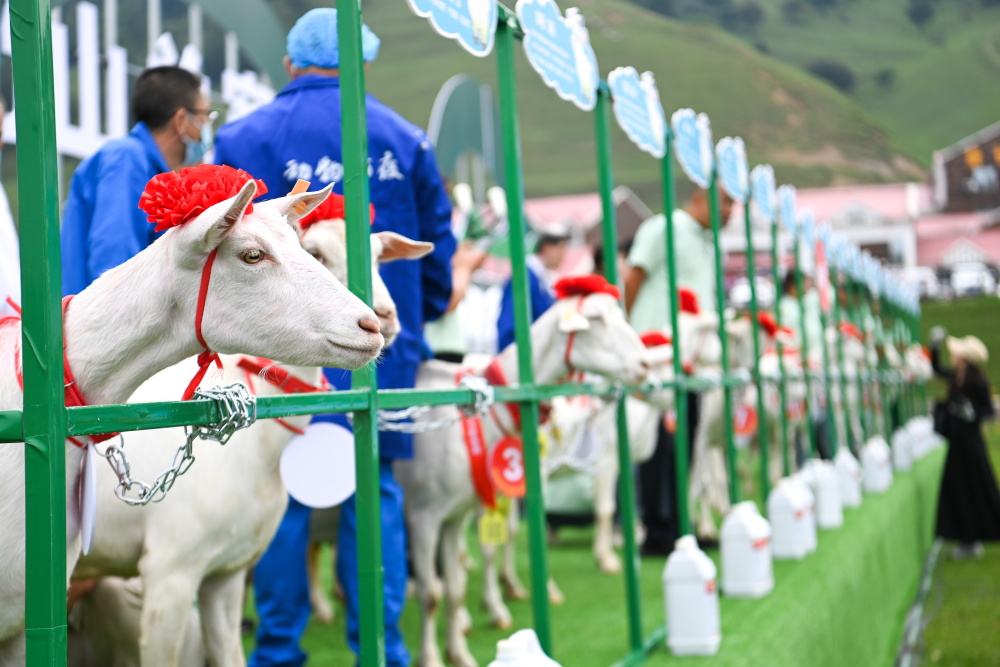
column 969, row 502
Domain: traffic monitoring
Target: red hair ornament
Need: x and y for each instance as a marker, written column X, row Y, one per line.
column 688, row 301
column 172, row 198
column 332, row 208
column 585, row 285
column 768, row 323
column 655, row 339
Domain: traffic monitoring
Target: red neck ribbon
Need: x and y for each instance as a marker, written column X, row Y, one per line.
column 475, row 446
column 280, row 378
column 73, row 396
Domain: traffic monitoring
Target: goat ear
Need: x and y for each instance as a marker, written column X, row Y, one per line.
column 573, row 321
column 209, row 228
column 296, row 207
column 396, row 246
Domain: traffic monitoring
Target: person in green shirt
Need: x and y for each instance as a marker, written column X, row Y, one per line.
column 646, row 298
column 647, row 304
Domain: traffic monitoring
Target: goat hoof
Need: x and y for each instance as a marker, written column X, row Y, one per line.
column 610, row 563
column 461, row 659
column 514, row 591
column 503, row 623
column 323, row 611
column 468, row 562
column 555, row 594
column 463, row 620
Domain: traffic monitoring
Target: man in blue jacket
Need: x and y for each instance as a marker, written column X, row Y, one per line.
column 298, row 136
column 542, row 267
column 102, row 224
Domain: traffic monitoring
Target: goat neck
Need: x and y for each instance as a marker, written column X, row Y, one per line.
column 128, row 325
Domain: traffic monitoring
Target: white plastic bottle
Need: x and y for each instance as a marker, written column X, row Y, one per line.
column 877, row 465
column 745, row 545
column 809, row 518
column 522, row 649
column 787, row 509
column 691, row 596
column 902, row 450
column 849, row 472
column 825, row 486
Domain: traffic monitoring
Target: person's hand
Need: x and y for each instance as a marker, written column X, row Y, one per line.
column 938, row 334
column 467, row 258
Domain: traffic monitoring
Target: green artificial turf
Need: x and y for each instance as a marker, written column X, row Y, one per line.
column 963, row 608
column 843, row 605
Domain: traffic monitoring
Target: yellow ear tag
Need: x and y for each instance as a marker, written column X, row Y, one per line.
column 299, row 187
column 543, row 442
column 492, row 528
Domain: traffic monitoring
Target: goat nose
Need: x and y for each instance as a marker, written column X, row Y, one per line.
column 370, row 324
column 386, row 313
column 646, row 364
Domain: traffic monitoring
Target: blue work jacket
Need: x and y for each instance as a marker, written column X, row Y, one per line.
column 298, row 136
column 102, row 225
column 541, row 300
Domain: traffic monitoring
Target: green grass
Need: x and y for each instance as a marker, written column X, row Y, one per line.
column 786, row 116
column 947, row 75
column 964, row 604
column 978, row 317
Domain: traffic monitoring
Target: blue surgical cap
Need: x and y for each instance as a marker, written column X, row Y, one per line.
column 313, row 40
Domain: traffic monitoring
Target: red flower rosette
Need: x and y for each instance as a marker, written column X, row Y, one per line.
column 768, row 322
column 584, row 285
column 172, row 198
column 332, row 208
column 655, row 339
column 688, row 301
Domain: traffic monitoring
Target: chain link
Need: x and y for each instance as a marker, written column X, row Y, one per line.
column 394, row 420
column 238, row 408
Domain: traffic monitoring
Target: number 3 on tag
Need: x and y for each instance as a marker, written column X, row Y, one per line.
column 492, row 528
column 507, row 467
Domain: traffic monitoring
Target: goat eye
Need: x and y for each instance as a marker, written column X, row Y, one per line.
column 252, row 256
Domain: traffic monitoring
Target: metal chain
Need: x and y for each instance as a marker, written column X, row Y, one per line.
column 238, row 408
column 393, row 420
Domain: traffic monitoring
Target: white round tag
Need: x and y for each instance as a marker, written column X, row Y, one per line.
column 88, row 503
column 317, row 467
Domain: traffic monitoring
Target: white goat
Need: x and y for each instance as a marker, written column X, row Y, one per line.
column 439, row 491
column 267, row 297
column 236, row 491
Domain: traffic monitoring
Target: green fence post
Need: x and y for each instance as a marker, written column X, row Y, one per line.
column 680, row 393
column 522, row 322
column 800, row 295
column 862, row 372
column 720, row 300
column 786, row 458
column 831, row 413
column 354, row 142
column 765, row 478
column 626, row 486
column 44, row 420
column 848, row 424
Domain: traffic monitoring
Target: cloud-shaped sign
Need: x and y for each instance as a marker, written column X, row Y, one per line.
column 638, row 109
column 471, row 23
column 559, row 49
column 786, row 207
column 693, row 145
column 807, row 225
column 825, row 234
column 731, row 158
column 762, row 188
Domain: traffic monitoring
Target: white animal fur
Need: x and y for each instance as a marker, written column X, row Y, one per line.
column 138, row 319
column 235, row 491
column 440, row 497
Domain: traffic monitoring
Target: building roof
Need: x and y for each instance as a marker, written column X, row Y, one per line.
column 895, row 202
column 959, row 147
column 946, row 250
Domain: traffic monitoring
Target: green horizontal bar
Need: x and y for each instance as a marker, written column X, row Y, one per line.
column 653, row 641
column 11, row 426
column 144, row 416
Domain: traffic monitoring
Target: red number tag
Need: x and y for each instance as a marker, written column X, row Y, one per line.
column 745, row 420
column 507, row 467
column 670, row 421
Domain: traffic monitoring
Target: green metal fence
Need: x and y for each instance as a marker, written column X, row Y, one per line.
column 44, row 421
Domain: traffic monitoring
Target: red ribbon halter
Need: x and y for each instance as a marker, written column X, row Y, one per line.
column 73, row 396
column 206, row 358
column 281, row 379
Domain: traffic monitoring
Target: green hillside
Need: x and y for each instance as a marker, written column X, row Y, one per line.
column 940, row 81
column 812, row 134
